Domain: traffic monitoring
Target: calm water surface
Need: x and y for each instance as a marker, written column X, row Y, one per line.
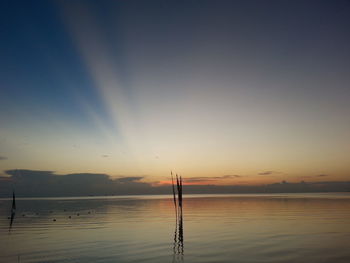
column 217, row 228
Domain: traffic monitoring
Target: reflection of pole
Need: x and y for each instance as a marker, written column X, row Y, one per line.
column 175, row 236
column 13, row 209
column 181, row 237
column 174, row 195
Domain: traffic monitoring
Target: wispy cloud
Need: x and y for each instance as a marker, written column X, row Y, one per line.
column 231, row 176
column 267, row 173
column 210, row 178
column 2, row 158
column 313, row 176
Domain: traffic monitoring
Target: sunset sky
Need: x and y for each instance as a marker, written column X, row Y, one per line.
column 222, row 92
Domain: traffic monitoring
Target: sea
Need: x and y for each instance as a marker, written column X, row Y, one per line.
column 237, row 228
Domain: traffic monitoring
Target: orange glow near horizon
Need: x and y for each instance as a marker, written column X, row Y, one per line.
column 248, row 180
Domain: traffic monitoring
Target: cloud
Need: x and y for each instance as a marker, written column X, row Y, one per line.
column 37, row 183
column 267, row 173
column 25, row 175
column 210, row 178
column 232, row 176
column 313, row 176
column 197, row 179
column 129, row 179
column 47, row 183
column 2, row 158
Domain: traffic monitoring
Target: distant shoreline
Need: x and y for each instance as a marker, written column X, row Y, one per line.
column 156, row 196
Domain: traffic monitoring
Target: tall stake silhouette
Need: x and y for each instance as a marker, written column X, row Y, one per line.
column 178, row 235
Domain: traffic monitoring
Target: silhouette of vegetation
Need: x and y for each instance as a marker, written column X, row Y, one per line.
column 178, row 234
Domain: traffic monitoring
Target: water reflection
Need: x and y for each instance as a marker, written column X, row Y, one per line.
column 178, row 247
column 287, row 228
column 13, row 210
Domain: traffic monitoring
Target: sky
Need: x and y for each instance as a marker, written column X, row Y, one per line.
column 221, row 92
